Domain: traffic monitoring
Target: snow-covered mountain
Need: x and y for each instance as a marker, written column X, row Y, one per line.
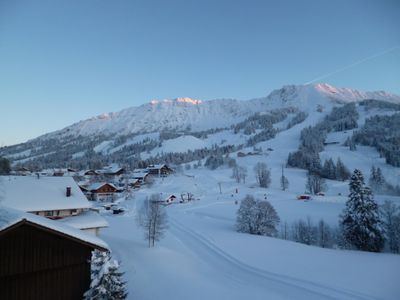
column 135, row 131
column 182, row 113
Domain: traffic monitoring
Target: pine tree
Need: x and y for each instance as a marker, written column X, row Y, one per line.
column 106, row 280
column 342, row 173
column 376, row 180
column 360, row 220
column 5, row 168
column 329, row 169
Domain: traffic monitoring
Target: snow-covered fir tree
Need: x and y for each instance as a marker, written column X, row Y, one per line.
column 106, row 279
column 329, row 169
column 342, row 173
column 360, row 220
column 376, row 180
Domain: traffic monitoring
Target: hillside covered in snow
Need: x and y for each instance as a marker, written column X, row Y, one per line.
column 183, row 125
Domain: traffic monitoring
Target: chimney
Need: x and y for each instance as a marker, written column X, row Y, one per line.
column 68, row 191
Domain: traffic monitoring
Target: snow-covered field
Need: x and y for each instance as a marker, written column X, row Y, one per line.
column 203, row 257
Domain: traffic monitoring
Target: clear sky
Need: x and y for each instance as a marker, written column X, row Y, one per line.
column 64, row 61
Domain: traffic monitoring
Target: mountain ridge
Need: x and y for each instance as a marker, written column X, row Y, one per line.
column 180, row 113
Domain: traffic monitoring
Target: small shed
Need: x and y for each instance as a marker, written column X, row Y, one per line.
column 41, row 259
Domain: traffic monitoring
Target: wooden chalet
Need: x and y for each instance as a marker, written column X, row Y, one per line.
column 43, row 260
column 141, row 176
column 102, row 191
column 113, row 171
column 90, row 173
column 134, row 183
column 159, row 170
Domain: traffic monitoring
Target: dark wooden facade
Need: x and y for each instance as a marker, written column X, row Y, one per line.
column 163, row 170
column 106, row 188
column 39, row 263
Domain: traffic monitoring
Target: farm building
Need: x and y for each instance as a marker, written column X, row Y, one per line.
column 43, row 259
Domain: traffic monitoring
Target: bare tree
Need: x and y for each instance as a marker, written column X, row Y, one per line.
column 284, row 181
column 236, row 174
column 263, row 175
column 324, row 234
column 391, row 224
column 315, row 183
column 239, row 173
column 153, row 218
column 243, row 173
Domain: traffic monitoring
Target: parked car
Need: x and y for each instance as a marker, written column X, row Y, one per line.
column 118, row 210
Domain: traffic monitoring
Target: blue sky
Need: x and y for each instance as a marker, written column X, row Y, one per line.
column 64, row 61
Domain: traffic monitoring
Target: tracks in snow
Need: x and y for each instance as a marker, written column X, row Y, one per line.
column 283, row 287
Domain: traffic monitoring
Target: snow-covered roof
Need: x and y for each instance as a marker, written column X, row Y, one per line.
column 85, row 220
column 137, row 175
column 140, row 171
column 10, row 217
column 28, row 193
column 113, row 168
column 159, row 166
column 97, row 185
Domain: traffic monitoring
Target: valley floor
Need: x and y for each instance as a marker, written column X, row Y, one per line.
column 202, row 257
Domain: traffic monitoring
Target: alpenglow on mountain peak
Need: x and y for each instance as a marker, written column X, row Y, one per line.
column 186, row 100
column 185, row 112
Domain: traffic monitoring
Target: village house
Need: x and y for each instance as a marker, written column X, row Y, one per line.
column 101, row 191
column 112, row 170
column 42, row 259
column 159, row 170
column 51, row 197
column 90, row 172
column 142, row 176
column 22, row 171
column 134, row 183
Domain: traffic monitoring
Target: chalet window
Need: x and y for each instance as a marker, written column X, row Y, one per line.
column 73, row 211
column 48, row 213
